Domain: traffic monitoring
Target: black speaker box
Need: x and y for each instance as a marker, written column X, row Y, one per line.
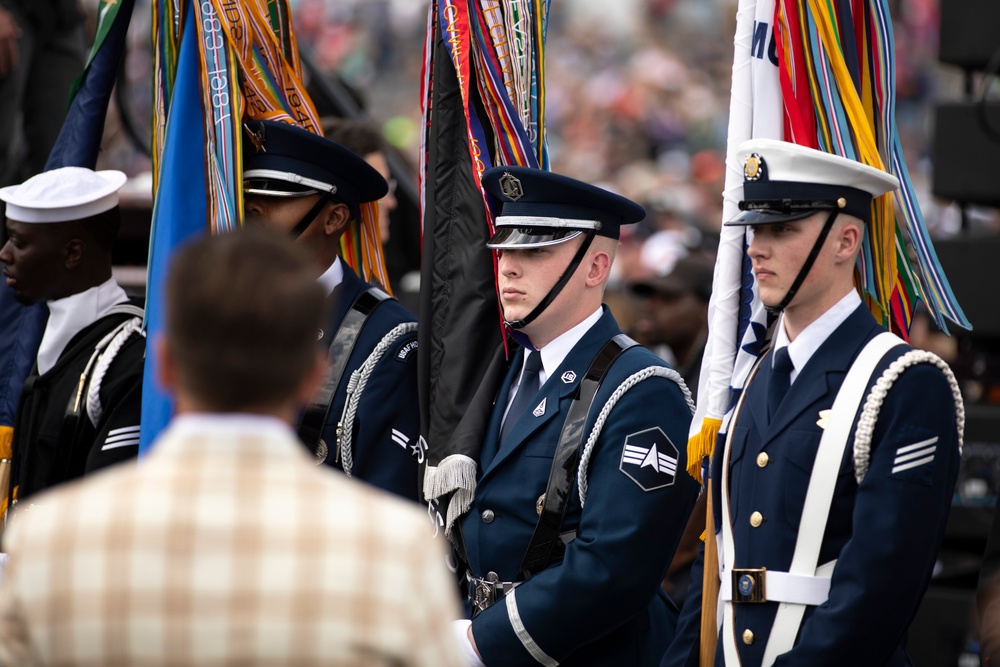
column 970, row 32
column 973, row 270
column 967, row 152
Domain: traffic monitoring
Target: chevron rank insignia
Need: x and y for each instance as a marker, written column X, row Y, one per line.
column 649, row 459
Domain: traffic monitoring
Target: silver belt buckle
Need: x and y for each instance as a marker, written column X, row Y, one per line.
column 484, row 592
column 748, row 584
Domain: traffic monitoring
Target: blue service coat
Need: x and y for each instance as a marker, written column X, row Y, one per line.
column 602, row 604
column 885, row 532
column 387, row 449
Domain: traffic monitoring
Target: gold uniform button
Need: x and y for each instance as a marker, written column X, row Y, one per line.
column 756, row 519
column 762, row 459
column 747, row 637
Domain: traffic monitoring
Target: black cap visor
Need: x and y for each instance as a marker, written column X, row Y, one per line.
column 766, row 216
column 764, row 212
column 530, row 237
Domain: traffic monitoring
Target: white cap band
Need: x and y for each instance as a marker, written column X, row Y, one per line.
column 288, row 177
column 541, row 221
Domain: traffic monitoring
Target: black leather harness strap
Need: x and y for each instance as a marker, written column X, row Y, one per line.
column 547, row 544
column 314, row 418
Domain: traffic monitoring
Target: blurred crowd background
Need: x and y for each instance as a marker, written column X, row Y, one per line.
column 637, row 100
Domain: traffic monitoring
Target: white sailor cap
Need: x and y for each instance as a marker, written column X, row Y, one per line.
column 63, row 194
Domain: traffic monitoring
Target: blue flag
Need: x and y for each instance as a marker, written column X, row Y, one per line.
column 179, row 213
column 19, row 338
column 79, row 139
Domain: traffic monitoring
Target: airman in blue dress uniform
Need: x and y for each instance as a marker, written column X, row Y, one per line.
column 874, row 539
column 596, row 599
column 366, row 420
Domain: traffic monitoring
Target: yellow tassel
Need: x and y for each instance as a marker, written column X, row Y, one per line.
column 6, row 441
column 701, row 445
column 6, row 449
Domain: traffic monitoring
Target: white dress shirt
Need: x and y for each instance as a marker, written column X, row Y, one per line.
column 808, row 341
column 332, row 277
column 555, row 352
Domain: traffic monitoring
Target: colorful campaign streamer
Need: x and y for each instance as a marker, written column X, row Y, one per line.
column 217, row 64
column 836, row 67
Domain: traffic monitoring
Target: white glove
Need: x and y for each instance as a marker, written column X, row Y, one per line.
column 461, row 629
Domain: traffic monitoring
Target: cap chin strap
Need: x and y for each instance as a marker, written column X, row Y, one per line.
column 303, row 224
column 807, row 265
column 554, row 292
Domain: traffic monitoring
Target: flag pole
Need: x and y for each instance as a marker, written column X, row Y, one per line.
column 724, row 306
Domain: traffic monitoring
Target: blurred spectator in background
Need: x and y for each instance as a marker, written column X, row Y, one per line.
column 42, row 51
column 674, row 317
column 365, row 140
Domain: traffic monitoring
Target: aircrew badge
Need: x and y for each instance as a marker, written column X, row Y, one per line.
column 649, row 459
column 510, row 186
column 823, row 416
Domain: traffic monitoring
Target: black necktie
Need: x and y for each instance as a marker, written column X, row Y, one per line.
column 525, row 396
column 781, row 376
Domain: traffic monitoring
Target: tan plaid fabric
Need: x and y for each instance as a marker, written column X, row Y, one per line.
column 225, row 546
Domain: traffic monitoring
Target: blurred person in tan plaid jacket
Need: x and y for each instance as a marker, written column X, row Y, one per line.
column 226, row 544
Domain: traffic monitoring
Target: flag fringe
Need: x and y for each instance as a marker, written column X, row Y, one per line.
column 702, row 444
column 456, row 474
